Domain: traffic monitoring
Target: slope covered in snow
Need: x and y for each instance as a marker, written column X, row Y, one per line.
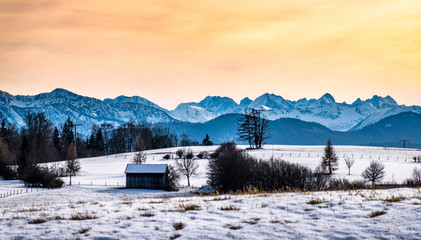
column 99, row 208
column 60, row 103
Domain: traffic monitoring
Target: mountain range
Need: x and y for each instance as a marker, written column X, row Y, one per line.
column 325, row 111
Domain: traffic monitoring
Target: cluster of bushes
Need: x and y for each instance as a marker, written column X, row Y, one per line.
column 37, row 176
column 232, row 170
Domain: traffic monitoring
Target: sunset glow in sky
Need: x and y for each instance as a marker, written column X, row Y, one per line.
column 180, row 51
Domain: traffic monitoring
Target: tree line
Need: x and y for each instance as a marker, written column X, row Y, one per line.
column 40, row 142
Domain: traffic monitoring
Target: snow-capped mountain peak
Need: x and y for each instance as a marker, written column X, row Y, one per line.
column 327, row 98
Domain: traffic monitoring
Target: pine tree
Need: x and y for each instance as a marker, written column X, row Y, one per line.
column 67, row 133
column 206, row 141
column 58, row 145
column 329, row 159
column 99, row 143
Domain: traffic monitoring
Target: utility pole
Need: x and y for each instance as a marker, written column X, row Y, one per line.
column 404, row 142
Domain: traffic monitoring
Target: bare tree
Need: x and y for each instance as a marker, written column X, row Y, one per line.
column 187, row 167
column 349, row 162
column 72, row 164
column 374, row 172
column 416, row 176
column 140, row 156
column 253, row 128
column 329, row 159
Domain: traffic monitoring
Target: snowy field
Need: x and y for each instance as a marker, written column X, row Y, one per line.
column 95, row 206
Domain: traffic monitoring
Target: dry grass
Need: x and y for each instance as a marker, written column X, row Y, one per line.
column 127, row 201
column 38, row 221
column 178, row 226
column 82, row 216
column 147, row 214
column 394, row 199
column 252, row 221
column 376, row 214
column 233, row 227
column 189, row 207
column 229, row 208
column 315, row 201
column 219, row 199
column 81, row 231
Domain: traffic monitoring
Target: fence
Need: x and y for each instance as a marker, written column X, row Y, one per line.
column 22, row 191
column 286, row 155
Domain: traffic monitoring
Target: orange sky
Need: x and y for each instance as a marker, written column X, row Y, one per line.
column 178, row 51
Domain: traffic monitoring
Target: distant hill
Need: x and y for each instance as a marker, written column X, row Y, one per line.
column 387, row 132
column 375, row 121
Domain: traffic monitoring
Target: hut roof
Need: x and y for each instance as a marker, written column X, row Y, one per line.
column 146, row 168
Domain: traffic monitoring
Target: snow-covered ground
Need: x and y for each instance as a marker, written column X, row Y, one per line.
column 146, row 214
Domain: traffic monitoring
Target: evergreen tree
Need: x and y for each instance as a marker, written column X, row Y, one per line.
column 99, row 143
column 58, row 144
column 67, row 133
column 329, row 159
column 206, row 141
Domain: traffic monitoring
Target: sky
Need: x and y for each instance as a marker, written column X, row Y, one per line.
column 182, row 51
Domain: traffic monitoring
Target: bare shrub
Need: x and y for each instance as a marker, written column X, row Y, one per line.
column 349, row 162
column 178, row 226
column 376, row 214
column 374, row 172
column 415, row 179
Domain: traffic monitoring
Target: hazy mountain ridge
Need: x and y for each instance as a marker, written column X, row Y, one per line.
column 325, row 110
column 60, row 103
column 289, row 131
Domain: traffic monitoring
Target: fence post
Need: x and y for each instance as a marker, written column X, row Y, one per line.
column 91, row 183
column 105, row 183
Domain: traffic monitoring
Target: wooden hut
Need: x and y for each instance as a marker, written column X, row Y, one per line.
column 147, row 176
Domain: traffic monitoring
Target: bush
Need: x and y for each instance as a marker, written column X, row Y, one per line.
column 416, row 178
column 203, row 154
column 189, row 155
column 234, row 170
column 36, row 176
column 344, row 184
column 180, row 153
column 166, row 156
column 7, row 173
column 213, row 155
